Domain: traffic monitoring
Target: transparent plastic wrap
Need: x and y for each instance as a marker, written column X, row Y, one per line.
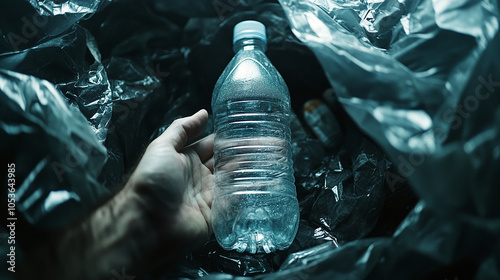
column 427, row 97
column 66, row 8
column 72, row 62
column 25, row 23
column 56, row 154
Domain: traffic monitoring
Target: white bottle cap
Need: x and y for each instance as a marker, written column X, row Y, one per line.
column 249, row 29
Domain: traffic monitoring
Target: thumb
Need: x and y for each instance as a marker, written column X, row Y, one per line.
column 184, row 129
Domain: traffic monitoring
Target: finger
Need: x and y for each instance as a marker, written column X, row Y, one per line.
column 204, row 147
column 181, row 130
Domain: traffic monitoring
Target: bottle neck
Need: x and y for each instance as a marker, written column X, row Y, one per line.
column 249, row 45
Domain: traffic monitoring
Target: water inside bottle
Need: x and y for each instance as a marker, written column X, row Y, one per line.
column 255, row 204
column 268, row 222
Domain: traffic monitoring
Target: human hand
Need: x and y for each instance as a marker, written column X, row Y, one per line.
column 161, row 214
column 174, row 184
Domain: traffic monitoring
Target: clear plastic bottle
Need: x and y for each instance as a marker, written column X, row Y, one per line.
column 255, row 209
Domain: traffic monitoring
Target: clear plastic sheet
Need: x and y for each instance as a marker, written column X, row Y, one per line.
column 418, row 78
column 342, row 197
column 72, row 62
column 61, row 157
column 25, row 23
column 66, row 8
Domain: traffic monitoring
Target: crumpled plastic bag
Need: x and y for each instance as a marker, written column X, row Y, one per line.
column 428, row 97
column 344, row 195
column 61, row 157
column 25, row 23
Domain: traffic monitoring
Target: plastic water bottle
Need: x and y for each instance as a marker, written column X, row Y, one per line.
column 255, row 209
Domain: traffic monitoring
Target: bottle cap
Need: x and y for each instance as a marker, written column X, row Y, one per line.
column 249, row 29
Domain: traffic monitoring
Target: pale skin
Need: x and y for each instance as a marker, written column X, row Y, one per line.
column 161, row 214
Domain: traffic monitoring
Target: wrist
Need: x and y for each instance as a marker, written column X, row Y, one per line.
column 114, row 237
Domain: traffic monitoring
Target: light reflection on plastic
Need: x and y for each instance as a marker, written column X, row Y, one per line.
column 405, row 22
column 415, row 135
column 337, row 192
column 339, row 167
column 56, row 198
column 68, row 7
column 319, row 28
column 95, row 77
